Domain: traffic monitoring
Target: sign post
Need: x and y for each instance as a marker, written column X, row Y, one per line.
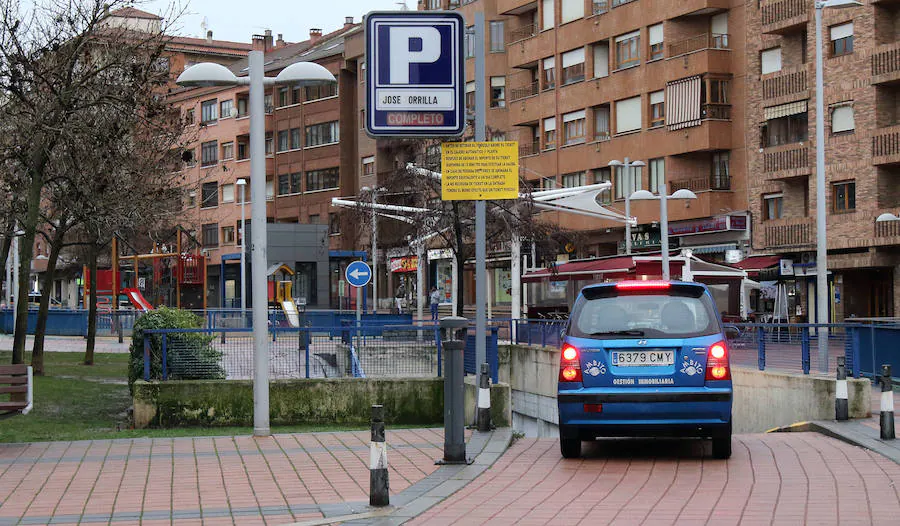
column 358, row 274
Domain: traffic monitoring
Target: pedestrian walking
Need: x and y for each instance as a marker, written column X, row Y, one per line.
column 398, row 297
column 435, row 301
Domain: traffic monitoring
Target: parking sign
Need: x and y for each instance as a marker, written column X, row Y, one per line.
column 414, row 74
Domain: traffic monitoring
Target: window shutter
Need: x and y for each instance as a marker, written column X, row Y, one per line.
column 572, row 10
column 227, row 193
column 498, row 82
column 683, row 106
column 549, row 63
column 571, row 58
column 842, row 31
column 550, row 124
column 657, row 97
column 771, row 60
column 627, row 36
column 655, row 34
column 842, row 119
column 719, row 24
column 470, row 87
column 628, row 115
column 601, row 59
column 548, row 15
column 574, row 116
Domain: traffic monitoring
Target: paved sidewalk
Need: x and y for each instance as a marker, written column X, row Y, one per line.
column 227, row 480
column 105, row 344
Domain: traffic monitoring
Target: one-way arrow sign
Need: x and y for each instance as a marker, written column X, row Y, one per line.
column 358, row 274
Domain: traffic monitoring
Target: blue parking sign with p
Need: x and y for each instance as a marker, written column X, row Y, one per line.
column 414, row 74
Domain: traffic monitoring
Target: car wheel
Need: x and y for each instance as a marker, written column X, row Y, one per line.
column 570, row 447
column 722, row 447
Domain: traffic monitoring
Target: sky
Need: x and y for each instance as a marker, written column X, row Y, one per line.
column 238, row 20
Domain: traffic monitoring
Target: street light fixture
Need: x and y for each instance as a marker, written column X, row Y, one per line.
column 646, row 195
column 885, row 217
column 242, row 183
column 208, row 74
column 627, row 165
column 822, row 295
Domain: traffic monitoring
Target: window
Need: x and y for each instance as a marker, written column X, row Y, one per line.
column 601, row 122
column 334, row 224
column 470, row 41
column 228, row 193
column 657, row 168
column 844, row 196
column 573, row 127
column 322, row 179
column 717, row 92
column 628, row 50
column 270, row 190
column 842, row 119
column 498, row 92
column 314, row 219
column 296, row 177
column 227, row 235
column 192, row 199
column 209, row 195
column 296, row 95
column 628, row 115
column 209, row 153
column 573, row 66
column 283, row 144
column 267, row 102
column 189, row 116
column 470, row 95
column 718, row 27
column 227, row 151
column 655, row 37
column 549, row 73
column 321, row 92
column 325, row 133
column 547, row 15
column 284, row 97
column 601, row 59
column 242, row 105
column 225, row 108
column 550, row 133
column 571, row 10
column 284, row 184
column 362, row 119
column 368, row 165
column 497, row 38
column 785, row 124
column 773, row 205
column 573, row 179
column 621, row 185
column 434, row 4
column 211, row 235
column 243, row 192
column 841, row 39
column 720, row 174
column 603, row 175
column 548, row 183
column 657, row 108
column 770, row 60
column 270, row 144
column 599, row 6
column 295, row 138
column 242, row 151
column 189, row 157
column 208, row 111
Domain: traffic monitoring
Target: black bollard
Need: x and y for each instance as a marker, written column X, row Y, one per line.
column 379, row 489
column 453, row 344
column 484, row 399
column 887, row 404
column 841, row 405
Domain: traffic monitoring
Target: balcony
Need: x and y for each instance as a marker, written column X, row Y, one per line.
column 786, row 84
column 886, row 145
column 790, row 232
column 523, row 91
column 887, row 229
column 886, row 63
column 784, row 16
column 719, row 112
column 698, row 43
column 521, row 33
column 719, row 182
column 529, row 148
column 786, row 161
column 515, row 7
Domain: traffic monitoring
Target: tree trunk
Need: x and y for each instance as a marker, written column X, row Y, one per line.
column 26, row 252
column 40, row 328
column 92, row 308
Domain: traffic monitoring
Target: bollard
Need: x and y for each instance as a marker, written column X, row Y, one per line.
column 484, row 399
column 454, row 404
column 841, row 408
column 379, row 489
column 887, row 404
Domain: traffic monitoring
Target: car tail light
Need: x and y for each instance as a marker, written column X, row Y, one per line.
column 717, row 367
column 593, row 408
column 643, row 285
column 569, row 365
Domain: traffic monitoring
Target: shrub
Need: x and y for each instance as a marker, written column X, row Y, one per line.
column 189, row 356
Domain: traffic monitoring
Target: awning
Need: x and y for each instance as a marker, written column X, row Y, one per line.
column 713, row 249
column 784, row 110
column 757, row 263
column 683, row 103
column 574, row 269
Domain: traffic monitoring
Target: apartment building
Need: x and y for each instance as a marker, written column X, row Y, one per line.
column 310, row 145
column 861, row 55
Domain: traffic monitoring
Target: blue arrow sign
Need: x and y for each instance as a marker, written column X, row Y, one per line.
column 358, row 274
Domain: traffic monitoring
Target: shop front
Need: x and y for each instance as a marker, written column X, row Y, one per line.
column 404, row 281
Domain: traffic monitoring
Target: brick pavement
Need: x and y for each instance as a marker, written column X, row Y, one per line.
column 784, row 478
column 211, row 480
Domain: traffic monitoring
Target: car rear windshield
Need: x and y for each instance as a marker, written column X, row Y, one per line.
column 644, row 314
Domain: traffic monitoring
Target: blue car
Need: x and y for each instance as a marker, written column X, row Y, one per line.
column 644, row 359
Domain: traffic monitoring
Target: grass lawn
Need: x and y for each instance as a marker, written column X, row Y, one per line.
column 78, row 402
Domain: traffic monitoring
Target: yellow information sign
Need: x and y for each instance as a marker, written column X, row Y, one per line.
column 474, row 171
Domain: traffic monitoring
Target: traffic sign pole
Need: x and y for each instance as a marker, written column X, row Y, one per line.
column 480, row 215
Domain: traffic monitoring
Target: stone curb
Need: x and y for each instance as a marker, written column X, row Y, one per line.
column 851, row 432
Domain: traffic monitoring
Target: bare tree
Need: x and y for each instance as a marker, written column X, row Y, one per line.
column 82, row 118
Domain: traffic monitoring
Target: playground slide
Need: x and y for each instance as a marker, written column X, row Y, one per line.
column 138, row 300
column 291, row 312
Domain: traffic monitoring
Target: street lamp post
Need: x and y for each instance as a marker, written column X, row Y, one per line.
column 242, row 183
column 628, row 185
column 208, row 74
column 374, row 246
column 663, row 198
column 822, row 295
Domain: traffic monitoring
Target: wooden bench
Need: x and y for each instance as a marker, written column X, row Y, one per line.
column 16, row 381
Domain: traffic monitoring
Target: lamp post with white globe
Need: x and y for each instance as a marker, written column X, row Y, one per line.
column 663, row 198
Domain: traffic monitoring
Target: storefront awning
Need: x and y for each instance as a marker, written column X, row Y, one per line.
column 574, row 269
column 757, row 263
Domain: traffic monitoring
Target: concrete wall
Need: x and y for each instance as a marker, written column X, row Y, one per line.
column 339, row 401
column 762, row 399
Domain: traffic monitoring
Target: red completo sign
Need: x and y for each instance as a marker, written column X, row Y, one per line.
column 415, row 119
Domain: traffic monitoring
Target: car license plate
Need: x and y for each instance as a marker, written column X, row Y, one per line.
column 641, row 358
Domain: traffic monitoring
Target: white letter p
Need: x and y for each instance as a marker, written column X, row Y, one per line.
column 402, row 57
